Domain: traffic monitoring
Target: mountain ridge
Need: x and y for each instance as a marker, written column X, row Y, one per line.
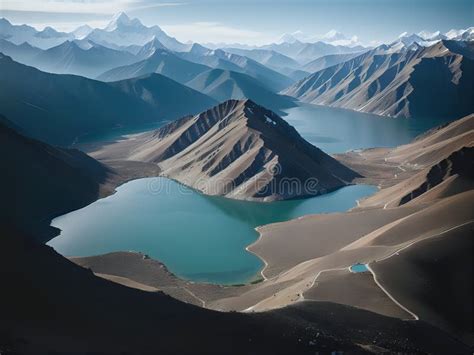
column 239, row 150
column 57, row 108
column 395, row 84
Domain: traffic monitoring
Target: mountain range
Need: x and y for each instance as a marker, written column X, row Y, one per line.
column 221, row 59
column 237, row 149
column 59, row 108
column 70, row 58
column 123, row 31
column 223, row 85
column 397, row 84
column 162, row 61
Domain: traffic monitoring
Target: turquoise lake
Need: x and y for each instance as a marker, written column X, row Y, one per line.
column 338, row 131
column 203, row 238
column 359, row 268
column 198, row 237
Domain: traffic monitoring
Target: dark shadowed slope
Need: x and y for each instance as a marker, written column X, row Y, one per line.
column 223, row 85
column 167, row 96
column 237, row 149
column 39, row 181
column 59, row 108
column 50, row 305
column 440, row 289
column 427, row 82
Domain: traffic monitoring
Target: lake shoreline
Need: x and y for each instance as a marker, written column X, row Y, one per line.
column 263, row 209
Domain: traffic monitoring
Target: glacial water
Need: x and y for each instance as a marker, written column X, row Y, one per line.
column 359, row 268
column 338, row 131
column 198, row 237
column 203, row 238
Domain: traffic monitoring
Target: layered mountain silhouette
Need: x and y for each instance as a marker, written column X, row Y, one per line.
column 70, row 58
column 229, row 60
column 59, row 108
column 23, row 53
column 273, row 60
column 223, row 85
column 163, row 62
column 44, row 39
column 163, row 94
column 305, row 52
column 426, row 82
column 237, row 149
column 328, row 61
column 269, row 58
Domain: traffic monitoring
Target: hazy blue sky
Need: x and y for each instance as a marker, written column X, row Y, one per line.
column 253, row 21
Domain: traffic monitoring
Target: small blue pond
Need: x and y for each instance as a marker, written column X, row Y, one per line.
column 359, row 268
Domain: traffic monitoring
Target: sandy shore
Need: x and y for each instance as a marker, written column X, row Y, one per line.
column 308, row 258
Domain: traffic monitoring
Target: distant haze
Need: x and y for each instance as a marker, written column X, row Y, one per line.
column 253, row 22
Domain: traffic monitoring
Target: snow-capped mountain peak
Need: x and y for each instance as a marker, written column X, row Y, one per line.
column 334, row 35
column 294, row 37
column 49, row 32
column 82, row 31
column 122, row 21
column 430, row 36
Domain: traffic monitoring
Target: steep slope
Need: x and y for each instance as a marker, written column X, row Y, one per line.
column 328, row 61
column 162, row 62
column 221, row 59
column 239, row 150
column 167, row 96
column 439, row 164
column 58, row 108
column 458, row 168
column 148, row 49
column 69, row 58
column 398, row 84
column 82, row 31
column 40, row 181
column 270, row 58
column 223, row 85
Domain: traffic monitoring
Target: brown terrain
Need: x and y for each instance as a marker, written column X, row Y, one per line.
column 415, row 235
column 397, row 84
column 237, row 149
column 51, row 305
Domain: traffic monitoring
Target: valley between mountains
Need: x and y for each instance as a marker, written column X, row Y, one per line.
column 269, row 158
